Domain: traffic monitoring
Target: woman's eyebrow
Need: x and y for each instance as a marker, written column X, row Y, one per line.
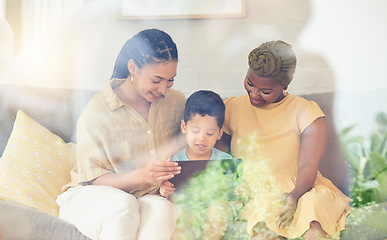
column 266, row 89
column 161, row 78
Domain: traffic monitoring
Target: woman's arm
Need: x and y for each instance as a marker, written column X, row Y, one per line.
column 312, row 148
column 153, row 172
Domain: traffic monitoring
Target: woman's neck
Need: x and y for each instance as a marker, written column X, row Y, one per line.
column 280, row 98
column 129, row 95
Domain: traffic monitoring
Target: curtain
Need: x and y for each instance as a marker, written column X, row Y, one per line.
column 39, row 17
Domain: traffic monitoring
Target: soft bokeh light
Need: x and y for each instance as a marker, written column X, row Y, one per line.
column 33, row 55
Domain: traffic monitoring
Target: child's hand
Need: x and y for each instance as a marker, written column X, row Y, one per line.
column 166, row 189
column 285, row 216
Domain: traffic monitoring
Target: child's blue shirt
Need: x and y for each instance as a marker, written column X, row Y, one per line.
column 216, row 154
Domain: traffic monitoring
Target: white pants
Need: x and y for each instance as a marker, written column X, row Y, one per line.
column 102, row 212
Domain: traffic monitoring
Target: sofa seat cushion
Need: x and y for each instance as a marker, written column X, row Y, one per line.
column 35, row 165
column 24, row 223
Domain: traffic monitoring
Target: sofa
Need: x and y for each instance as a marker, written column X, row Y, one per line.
column 48, row 117
column 50, row 113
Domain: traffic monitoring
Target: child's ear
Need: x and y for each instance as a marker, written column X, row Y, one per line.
column 220, row 134
column 183, row 126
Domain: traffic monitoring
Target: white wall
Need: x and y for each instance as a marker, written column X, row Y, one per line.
column 340, row 47
column 6, row 44
column 2, row 8
column 351, row 36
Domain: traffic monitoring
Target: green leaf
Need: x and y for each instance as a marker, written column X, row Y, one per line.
column 362, row 166
column 379, row 162
column 369, row 185
column 367, row 160
column 381, row 120
column 346, row 130
column 378, row 142
column 382, row 179
column 383, row 146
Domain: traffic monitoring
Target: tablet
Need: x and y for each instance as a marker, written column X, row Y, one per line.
column 208, row 188
column 192, row 168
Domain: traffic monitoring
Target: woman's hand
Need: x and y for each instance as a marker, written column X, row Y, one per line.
column 285, row 216
column 160, row 171
column 153, row 173
column 166, row 189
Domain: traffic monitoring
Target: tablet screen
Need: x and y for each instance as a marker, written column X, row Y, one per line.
column 204, row 185
column 193, row 168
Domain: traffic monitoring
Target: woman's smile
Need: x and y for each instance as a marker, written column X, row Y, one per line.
column 155, row 96
column 257, row 102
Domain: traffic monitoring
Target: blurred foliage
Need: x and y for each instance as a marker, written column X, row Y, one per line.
column 213, row 188
column 367, row 223
column 367, row 160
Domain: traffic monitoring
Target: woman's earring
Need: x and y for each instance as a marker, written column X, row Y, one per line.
column 285, row 92
column 131, row 79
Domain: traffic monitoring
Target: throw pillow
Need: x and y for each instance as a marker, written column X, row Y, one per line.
column 35, row 165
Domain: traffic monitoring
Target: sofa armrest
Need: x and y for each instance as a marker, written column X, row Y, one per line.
column 20, row 222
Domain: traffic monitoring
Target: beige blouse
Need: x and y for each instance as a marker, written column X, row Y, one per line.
column 113, row 137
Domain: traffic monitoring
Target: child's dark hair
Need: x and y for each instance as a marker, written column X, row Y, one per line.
column 205, row 102
column 146, row 47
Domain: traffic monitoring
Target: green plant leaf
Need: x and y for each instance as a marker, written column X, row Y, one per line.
column 378, row 142
column 367, row 161
column 383, row 146
column 344, row 132
column 379, row 162
column 362, row 165
column 382, row 179
column 381, row 120
column 369, row 185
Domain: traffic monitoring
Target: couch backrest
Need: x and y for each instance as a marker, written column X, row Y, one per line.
column 59, row 109
column 56, row 109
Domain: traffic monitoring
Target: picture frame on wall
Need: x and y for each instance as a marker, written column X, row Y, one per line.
column 181, row 9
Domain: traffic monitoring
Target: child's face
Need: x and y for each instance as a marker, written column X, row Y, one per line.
column 202, row 133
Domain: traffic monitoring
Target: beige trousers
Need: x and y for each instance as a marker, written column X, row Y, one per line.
column 102, row 212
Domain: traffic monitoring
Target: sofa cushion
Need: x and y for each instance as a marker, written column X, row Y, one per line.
column 57, row 109
column 35, row 165
column 23, row 223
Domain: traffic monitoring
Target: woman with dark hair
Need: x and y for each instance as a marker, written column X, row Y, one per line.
column 125, row 138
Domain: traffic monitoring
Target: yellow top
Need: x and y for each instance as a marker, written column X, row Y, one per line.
column 113, row 137
column 268, row 140
column 278, row 126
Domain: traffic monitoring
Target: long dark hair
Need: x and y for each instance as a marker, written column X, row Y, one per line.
column 146, row 47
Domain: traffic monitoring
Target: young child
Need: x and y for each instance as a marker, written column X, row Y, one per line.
column 203, row 127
